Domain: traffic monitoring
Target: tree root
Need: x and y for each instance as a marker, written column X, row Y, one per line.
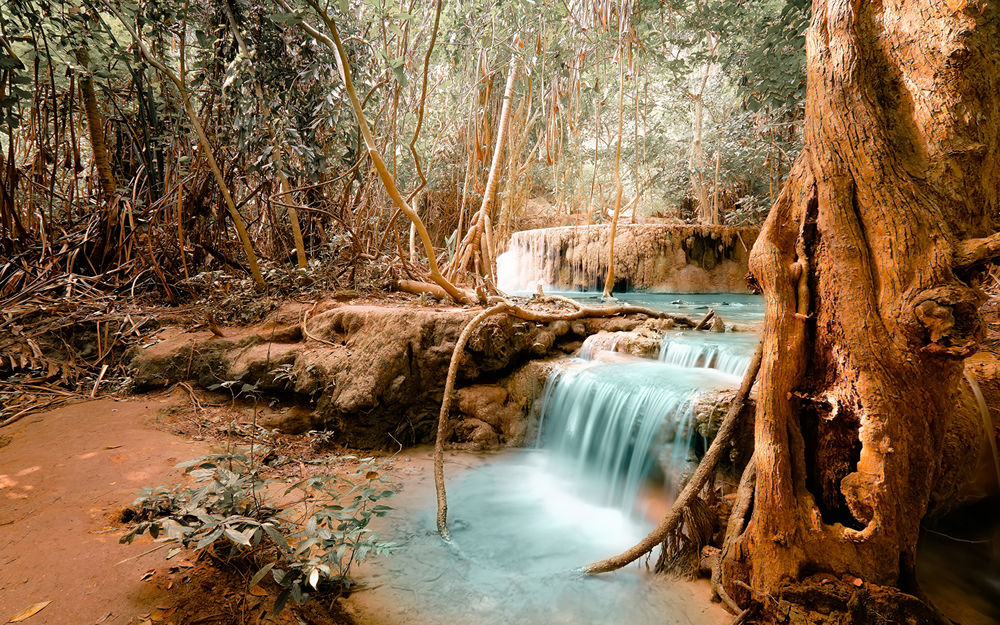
column 734, row 529
column 442, row 429
column 705, row 470
column 680, row 551
column 976, row 251
column 304, row 327
column 515, row 310
column 428, row 288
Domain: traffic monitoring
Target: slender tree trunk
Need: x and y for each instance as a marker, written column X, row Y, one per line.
column 635, row 147
column 473, row 243
column 609, row 280
column 95, row 126
column 696, row 162
column 868, row 263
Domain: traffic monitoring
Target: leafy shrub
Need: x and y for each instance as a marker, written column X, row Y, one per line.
column 231, row 514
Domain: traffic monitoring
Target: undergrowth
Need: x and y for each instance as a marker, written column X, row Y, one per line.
column 307, row 536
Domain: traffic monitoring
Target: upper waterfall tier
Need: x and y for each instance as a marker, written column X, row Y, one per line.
column 674, row 258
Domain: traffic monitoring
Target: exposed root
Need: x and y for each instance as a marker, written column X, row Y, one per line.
column 741, row 617
column 305, row 328
column 734, row 529
column 442, row 429
column 705, row 470
column 680, row 552
column 976, row 251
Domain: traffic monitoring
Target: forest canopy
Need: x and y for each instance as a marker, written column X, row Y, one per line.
column 111, row 113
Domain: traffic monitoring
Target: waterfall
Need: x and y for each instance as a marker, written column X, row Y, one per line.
column 727, row 353
column 608, row 423
column 600, row 342
column 664, row 258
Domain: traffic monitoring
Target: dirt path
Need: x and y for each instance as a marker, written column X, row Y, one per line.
column 64, row 476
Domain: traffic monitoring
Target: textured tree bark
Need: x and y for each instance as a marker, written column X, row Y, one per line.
column 868, row 264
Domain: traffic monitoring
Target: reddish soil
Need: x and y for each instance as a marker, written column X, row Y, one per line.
column 65, row 477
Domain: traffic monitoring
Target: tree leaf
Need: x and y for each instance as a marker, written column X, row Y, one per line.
column 9, row 62
column 285, row 18
column 276, row 536
column 29, row 611
column 400, row 75
column 237, row 537
column 279, row 603
column 261, row 573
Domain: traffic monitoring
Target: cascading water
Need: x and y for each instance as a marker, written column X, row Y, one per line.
column 729, row 352
column 605, row 423
column 667, row 258
column 600, row 342
column 523, row 521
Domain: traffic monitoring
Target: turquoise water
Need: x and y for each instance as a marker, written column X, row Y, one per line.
column 525, row 521
column 733, row 307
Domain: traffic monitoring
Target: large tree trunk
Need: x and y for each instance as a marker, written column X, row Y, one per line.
column 867, row 262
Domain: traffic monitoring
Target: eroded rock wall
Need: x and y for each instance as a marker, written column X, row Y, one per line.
column 376, row 374
column 668, row 258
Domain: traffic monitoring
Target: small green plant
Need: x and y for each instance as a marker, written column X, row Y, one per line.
column 308, row 543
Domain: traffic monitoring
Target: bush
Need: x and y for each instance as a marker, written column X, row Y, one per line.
column 231, row 514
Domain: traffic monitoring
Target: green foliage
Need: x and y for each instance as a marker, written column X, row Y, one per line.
column 308, row 547
column 766, row 52
column 270, row 97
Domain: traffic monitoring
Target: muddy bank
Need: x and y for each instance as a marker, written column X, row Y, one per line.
column 375, row 374
column 667, row 258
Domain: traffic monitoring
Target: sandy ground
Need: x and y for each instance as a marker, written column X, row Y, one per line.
column 64, row 477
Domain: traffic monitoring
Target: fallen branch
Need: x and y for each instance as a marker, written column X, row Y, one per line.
column 704, row 320
column 427, row 288
column 705, row 470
